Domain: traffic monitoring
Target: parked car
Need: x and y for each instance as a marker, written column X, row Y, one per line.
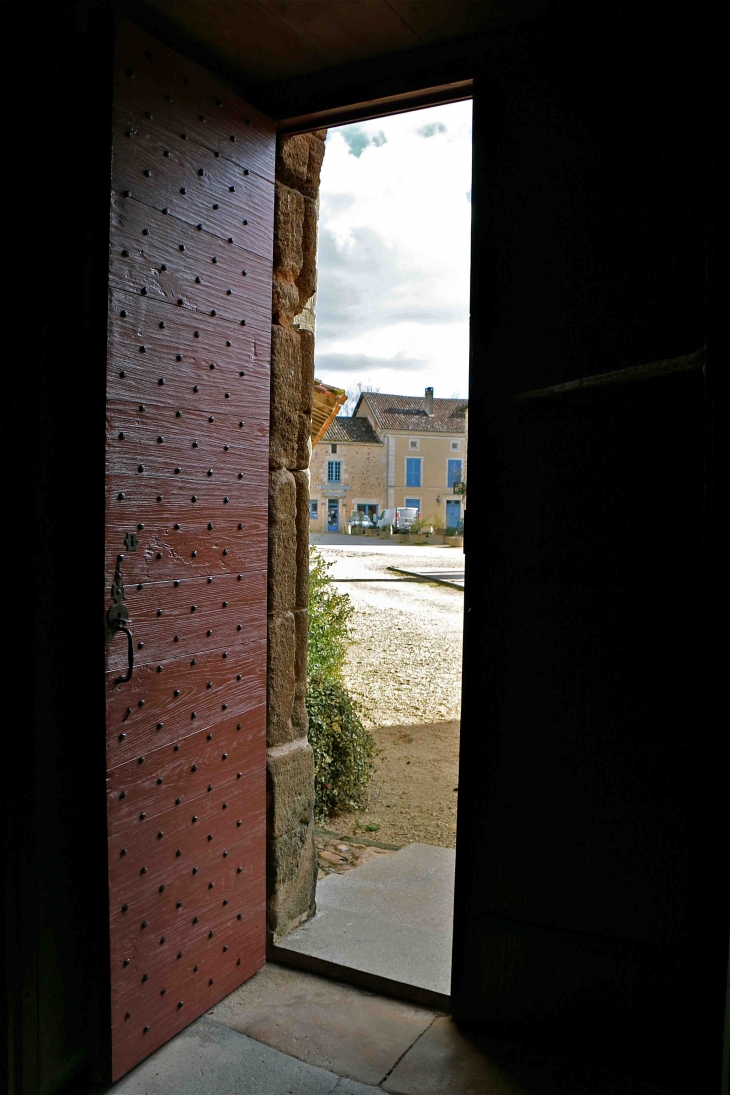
column 400, row 519
column 359, row 520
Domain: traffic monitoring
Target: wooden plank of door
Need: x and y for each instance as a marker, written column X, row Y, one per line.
column 186, row 473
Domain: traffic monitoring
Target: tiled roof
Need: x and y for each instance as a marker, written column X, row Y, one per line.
column 352, row 429
column 408, row 412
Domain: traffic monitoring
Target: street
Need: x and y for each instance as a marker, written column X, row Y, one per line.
column 405, row 662
column 405, row 668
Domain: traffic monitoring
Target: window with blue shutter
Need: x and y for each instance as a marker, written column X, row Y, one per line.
column 333, row 471
column 453, row 474
column 413, row 471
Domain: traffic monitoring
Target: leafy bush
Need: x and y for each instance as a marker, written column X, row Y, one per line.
column 343, row 748
column 330, row 613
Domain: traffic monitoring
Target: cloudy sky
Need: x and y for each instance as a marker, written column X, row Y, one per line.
column 393, row 283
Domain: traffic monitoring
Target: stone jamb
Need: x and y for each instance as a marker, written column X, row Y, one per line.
column 291, row 859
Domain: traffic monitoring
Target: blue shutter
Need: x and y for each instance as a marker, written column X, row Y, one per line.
column 454, row 473
column 413, row 471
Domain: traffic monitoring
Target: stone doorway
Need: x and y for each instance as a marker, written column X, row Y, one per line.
column 415, row 868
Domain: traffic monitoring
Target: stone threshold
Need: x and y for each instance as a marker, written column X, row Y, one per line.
column 385, row 927
column 281, row 955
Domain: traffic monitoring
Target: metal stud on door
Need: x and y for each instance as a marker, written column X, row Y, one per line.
column 186, row 521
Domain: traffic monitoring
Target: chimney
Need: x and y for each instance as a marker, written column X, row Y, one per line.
column 429, row 402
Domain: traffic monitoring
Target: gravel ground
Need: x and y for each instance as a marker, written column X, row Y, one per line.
column 405, row 668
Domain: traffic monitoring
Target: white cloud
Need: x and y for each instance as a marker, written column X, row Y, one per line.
column 393, row 291
column 366, row 363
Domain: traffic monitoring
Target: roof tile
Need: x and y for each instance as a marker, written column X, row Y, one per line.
column 408, row 412
column 352, row 429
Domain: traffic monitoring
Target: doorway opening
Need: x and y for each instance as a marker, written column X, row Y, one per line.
column 333, row 515
column 392, row 331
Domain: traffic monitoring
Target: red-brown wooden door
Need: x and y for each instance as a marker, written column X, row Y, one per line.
column 192, row 199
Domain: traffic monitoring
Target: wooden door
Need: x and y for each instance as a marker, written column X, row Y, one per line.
column 190, row 260
column 589, row 906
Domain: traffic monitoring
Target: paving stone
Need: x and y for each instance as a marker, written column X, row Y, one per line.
column 210, row 1059
column 444, row 1062
column 334, row 1026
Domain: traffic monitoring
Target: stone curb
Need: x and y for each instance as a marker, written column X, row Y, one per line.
column 429, row 578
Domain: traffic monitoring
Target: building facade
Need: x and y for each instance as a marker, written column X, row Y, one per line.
column 425, row 452
column 348, row 472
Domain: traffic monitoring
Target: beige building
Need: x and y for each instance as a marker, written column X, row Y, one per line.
column 424, row 442
column 348, row 471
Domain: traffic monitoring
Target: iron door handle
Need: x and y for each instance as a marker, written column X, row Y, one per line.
column 130, row 656
column 117, row 619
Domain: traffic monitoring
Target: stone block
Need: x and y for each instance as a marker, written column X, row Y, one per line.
column 282, row 541
column 291, row 881
column 299, row 161
column 284, row 301
column 292, row 158
column 280, row 682
column 288, row 228
column 286, row 389
column 314, row 166
column 307, row 277
column 299, row 714
column 301, row 624
column 289, row 790
column 301, row 480
column 291, row 867
column 299, row 717
column 306, row 354
column 303, row 454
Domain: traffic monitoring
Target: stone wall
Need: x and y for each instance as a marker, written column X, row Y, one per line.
column 291, row 858
column 363, row 479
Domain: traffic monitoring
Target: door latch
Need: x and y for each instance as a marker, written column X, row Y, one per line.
column 117, row 618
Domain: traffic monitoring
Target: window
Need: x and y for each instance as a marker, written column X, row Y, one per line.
column 453, row 474
column 333, row 448
column 413, row 471
column 414, row 443
column 455, row 446
column 413, row 503
column 333, row 471
column 313, row 509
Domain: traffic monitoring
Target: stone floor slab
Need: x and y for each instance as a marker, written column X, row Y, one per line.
column 326, row 1023
column 445, row 1062
column 210, row 1059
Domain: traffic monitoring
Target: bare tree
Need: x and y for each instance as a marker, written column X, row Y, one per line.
column 353, row 394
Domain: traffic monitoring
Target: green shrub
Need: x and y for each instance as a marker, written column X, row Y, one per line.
column 330, row 613
column 343, row 748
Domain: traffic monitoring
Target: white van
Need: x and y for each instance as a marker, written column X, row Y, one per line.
column 400, row 519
